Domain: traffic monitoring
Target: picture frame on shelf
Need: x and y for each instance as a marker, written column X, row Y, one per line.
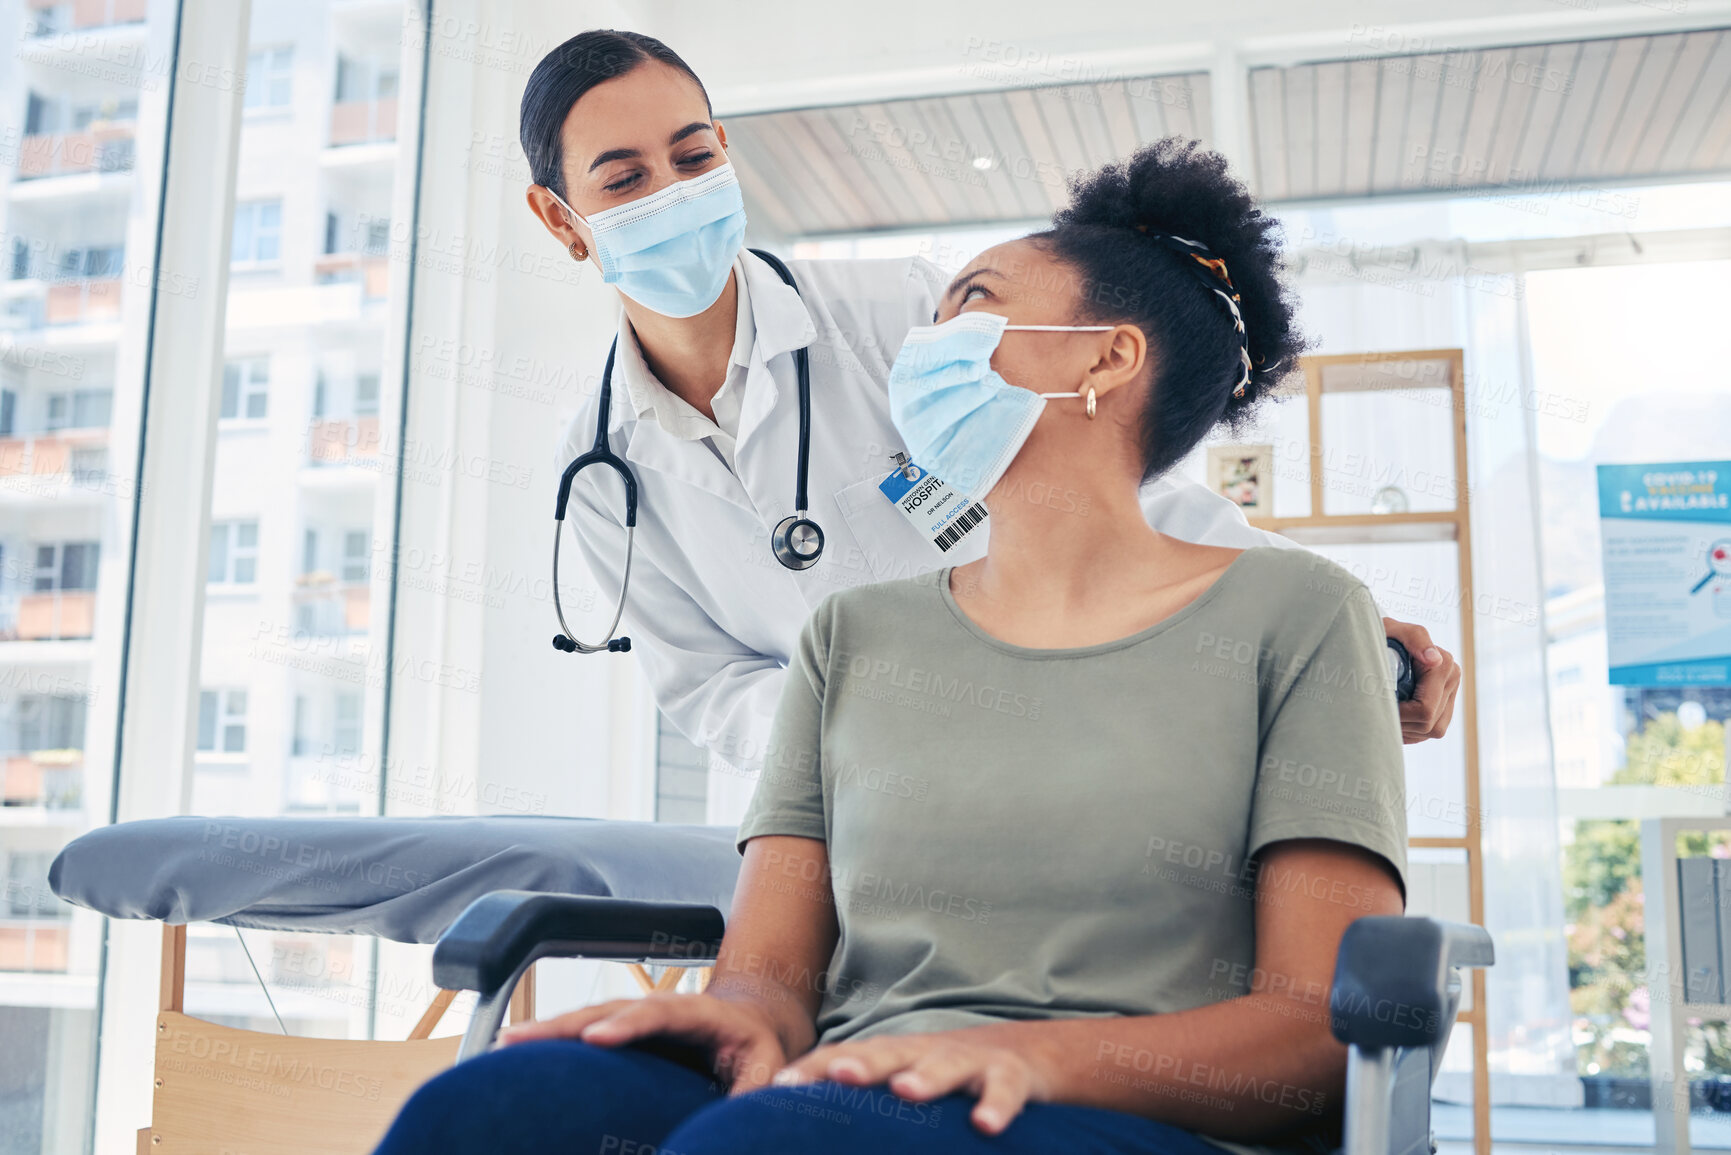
column 1243, row 475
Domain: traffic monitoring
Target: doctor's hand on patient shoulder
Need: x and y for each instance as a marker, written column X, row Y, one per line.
column 926, row 1067
column 1432, row 706
column 740, row 1037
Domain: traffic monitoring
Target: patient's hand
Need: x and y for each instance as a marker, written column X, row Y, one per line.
column 925, row 1067
column 740, row 1038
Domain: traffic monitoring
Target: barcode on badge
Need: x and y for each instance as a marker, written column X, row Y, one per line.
column 970, row 517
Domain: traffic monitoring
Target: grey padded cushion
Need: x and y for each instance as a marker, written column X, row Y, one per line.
column 404, row 879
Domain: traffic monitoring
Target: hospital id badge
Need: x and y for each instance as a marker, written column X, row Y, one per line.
column 940, row 514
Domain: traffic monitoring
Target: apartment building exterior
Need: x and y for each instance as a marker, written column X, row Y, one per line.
column 290, row 657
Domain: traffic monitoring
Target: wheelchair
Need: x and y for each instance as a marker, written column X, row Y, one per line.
column 1396, row 989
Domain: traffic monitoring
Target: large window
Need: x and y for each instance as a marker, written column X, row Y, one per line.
column 82, row 89
column 1611, row 341
column 293, row 665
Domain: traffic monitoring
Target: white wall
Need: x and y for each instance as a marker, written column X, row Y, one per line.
column 507, row 338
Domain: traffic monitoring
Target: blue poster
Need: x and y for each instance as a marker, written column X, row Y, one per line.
column 1666, row 531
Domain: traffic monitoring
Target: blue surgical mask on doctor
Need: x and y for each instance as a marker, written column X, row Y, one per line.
column 960, row 420
column 671, row 251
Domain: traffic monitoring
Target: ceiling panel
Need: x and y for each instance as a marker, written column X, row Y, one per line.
column 1613, row 103
column 1490, row 92
column 1358, row 144
column 1120, row 120
column 1301, row 129
column 1394, row 90
column 1268, row 131
column 951, row 160
column 1550, row 89
column 1696, row 123
column 1521, row 116
column 1514, row 114
column 1550, row 115
column 1181, row 102
column 1635, row 120
column 1012, row 158
column 1423, row 98
column 1568, row 136
column 1677, row 98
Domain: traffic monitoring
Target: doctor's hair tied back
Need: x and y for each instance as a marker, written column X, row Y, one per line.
column 1220, row 320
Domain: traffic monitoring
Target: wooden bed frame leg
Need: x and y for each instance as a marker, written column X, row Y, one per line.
column 431, row 1016
column 522, row 1007
column 171, row 997
column 173, row 968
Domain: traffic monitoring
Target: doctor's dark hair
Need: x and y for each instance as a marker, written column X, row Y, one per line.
column 561, row 79
column 1175, row 188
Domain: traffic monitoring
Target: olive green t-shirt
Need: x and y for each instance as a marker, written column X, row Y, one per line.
column 1018, row 833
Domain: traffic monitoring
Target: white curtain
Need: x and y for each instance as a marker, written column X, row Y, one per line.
column 1445, row 303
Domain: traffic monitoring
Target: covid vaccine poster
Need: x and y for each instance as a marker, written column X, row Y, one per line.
column 1666, row 531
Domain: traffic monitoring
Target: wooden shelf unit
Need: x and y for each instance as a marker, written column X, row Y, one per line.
column 1435, row 369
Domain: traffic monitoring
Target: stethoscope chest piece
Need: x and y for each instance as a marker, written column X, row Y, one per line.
column 797, row 542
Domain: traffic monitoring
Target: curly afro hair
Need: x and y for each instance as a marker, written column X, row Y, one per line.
column 1176, row 187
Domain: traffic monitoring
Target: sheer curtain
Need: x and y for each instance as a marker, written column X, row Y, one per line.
column 1443, row 302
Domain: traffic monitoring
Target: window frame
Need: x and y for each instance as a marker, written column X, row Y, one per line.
column 224, row 717
column 252, row 380
column 264, row 77
column 253, row 209
column 234, row 553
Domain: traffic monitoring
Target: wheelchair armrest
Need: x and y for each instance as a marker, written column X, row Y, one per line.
column 1394, row 979
column 500, row 934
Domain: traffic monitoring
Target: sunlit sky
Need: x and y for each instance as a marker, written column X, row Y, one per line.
column 1601, row 335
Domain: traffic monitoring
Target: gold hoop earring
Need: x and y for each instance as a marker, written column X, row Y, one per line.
column 1090, row 403
column 575, row 255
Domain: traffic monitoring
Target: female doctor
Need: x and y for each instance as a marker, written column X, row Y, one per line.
column 631, row 173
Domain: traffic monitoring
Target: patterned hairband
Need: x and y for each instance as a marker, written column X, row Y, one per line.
column 1214, row 267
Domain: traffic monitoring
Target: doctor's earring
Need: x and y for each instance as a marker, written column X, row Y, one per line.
column 1090, row 403
column 575, row 255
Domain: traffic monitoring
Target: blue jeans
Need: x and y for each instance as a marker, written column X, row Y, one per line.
column 570, row 1098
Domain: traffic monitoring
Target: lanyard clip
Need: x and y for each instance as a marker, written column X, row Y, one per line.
column 905, row 467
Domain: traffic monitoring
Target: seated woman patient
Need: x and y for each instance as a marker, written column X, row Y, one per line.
column 1052, row 851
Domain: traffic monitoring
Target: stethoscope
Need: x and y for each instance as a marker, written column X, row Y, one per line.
column 797, row 541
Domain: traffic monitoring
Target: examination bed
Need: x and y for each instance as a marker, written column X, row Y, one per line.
column 498, row 893
column 222, row 1089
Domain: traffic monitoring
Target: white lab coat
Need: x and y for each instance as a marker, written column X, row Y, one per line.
column 712, row 616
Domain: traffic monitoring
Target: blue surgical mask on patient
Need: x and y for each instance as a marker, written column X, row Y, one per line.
column 672, row 250
column 960, row 420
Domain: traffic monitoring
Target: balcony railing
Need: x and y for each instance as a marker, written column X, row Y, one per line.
column 372, row 271
column 80, row 301
column 56, row 16
column 52, row 779
column 363, row 121
column 327, row 608
column 36, row 944
column 103, row 147
column 54, row 615
column 80, row 455
column 335, row 441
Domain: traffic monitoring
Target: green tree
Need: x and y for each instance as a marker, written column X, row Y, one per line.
column 1603, row 902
